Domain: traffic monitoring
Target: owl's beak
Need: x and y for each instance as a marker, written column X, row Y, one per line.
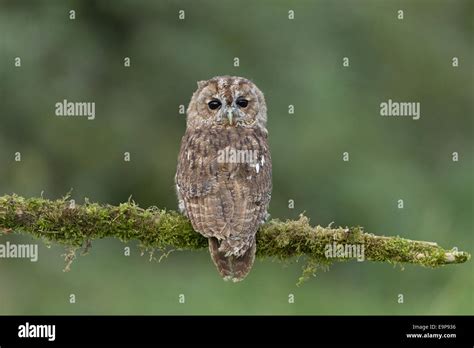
column 230, row 115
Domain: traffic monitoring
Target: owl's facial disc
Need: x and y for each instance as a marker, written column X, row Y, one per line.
column 228, row 101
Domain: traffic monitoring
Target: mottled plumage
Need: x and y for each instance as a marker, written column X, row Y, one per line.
column 223, row 178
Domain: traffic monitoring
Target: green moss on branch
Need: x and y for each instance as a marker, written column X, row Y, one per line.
column 61, row 221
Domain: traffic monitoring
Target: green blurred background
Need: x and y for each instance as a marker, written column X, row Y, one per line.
column 295, row 62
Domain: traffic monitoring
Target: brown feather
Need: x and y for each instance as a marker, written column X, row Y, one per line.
column 225, row 201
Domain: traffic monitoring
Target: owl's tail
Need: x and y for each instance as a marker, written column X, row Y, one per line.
column 232, row 267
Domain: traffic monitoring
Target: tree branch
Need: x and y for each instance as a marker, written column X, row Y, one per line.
column 75, row 226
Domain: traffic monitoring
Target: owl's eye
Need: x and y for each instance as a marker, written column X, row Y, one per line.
column 214, row 104
column 242, row 102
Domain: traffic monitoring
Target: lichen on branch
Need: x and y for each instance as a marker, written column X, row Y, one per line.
column 76, row 225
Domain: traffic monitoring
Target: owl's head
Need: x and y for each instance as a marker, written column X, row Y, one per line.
column 227, row 101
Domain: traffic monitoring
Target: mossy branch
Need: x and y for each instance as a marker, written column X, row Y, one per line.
column 64, row 222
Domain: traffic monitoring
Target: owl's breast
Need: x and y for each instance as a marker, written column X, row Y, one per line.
column 224, row 152
column 233, row 149
column 224, row 179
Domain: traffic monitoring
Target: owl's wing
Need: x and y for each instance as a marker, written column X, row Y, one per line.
column 224, row 200
column 196, row 178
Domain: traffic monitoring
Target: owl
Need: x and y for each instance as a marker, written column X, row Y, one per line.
column 223, row 179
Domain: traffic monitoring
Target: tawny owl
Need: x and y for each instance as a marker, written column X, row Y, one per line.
column 223, row 179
